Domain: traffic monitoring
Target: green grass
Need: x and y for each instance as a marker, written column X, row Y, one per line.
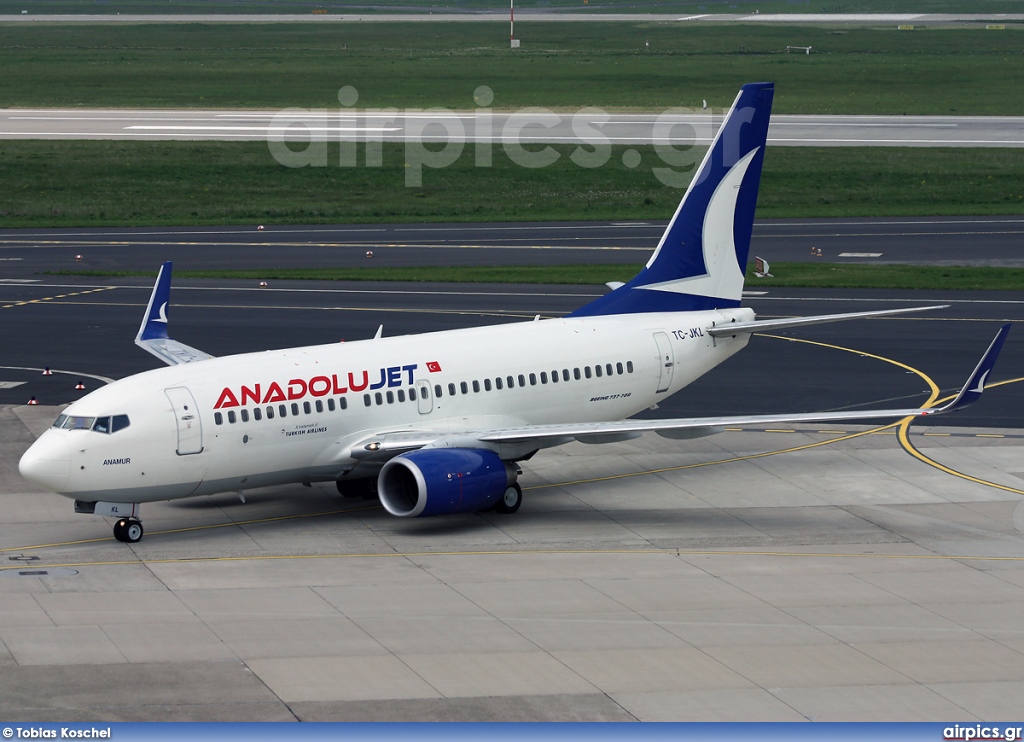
column 597, row 6
column 82, row 184
column 566, row 65
column 807, row 275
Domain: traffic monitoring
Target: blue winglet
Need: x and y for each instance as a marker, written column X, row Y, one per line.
column 154, row 324
column 701, row 259
column 971, row 391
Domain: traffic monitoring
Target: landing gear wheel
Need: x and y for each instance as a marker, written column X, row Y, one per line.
column 511, row 500
column 128, row 531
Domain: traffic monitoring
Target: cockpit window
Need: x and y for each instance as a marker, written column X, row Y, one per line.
column 74, row 422
column 109, row 424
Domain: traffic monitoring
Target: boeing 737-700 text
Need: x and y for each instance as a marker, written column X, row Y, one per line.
column 438, row 422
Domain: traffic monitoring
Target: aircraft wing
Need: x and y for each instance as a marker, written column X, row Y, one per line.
column 153, row 336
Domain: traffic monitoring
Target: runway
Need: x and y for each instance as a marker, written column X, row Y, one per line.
column 855, row 573
column 508, row 128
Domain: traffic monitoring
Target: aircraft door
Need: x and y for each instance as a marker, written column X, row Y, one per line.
column 423, row 397
column 186, row 417
column 666, row 361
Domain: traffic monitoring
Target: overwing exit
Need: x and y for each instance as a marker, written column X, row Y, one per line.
column 437, row 423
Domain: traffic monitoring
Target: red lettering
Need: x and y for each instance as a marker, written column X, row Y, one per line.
column 251, row 394
column 338, row 389
column 296, row 389
column 227, row 399
column 317, row 380
column 274, row 393
column 352, row 382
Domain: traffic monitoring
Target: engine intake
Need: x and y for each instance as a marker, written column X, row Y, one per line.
column 443, row 481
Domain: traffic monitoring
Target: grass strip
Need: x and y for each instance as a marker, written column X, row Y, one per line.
column 804, row 275
column 632, row 65
column 90, row 184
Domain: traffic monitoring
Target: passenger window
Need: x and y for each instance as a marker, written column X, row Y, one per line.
column 119, row 422
column 245, row 415
column 306, row 408
column 366, row 400
column 282, row 410
column 476, row 386
column 391, row 397
column 218, row 418
column 231, row 416
column 343, row 404
column 554, row 377
column 319, row 406
column 330, row 404
column 533, row 379
column 451, row 390
column 464, row 387
column 618, row 368
column 295, row 408
column 487, row 385
column 270, row 412
column 522, row 380
column 511, row 382
column 608, row 369
column 102, row 425
column 576, row 374
column 412, row 394
column 257, row 414
column 497, row 383
column 629, row 366
column 565, row 374
column 586, row 371
column 378, row 398
column 437, row 391
column 401, row 395
column 597, row 370
column 543, row 377
column 425, row 391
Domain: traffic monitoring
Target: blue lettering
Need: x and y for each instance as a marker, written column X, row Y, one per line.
column 410, row 369
column 394, row 376
column 382, row 382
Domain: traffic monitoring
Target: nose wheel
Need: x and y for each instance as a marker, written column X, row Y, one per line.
column 128, row 530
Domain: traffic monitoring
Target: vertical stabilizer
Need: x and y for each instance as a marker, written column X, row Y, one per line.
column 702, row 256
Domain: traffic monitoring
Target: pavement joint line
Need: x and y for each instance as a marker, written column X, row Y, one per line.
column 52, row 299
column 524, row 552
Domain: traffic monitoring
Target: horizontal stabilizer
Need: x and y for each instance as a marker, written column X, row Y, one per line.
column 740, row 328
column 153, row 336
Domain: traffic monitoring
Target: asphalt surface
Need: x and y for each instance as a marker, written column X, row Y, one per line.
column 86, row 325
column 582, row 127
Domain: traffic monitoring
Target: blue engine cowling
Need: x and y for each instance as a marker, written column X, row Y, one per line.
column 443, row 481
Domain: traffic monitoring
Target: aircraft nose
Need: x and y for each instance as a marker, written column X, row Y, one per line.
column 47, row 462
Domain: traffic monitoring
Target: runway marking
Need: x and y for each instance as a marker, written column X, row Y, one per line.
column 23, row 244
column 909, row 447
column 54, row 299
column 104, row 379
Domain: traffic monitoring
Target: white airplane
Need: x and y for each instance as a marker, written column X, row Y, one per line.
column 438, row 422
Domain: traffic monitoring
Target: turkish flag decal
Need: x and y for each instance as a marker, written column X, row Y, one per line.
column 433, row 367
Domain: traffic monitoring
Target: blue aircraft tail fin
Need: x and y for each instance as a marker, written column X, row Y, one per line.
column 702, row 257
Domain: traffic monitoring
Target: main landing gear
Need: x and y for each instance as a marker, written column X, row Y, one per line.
column 511, row 500
column 128, row 530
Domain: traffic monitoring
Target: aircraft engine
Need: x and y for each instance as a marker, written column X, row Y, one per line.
column 442, row 481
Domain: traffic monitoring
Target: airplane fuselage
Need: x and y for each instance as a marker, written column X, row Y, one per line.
column 302, row 414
